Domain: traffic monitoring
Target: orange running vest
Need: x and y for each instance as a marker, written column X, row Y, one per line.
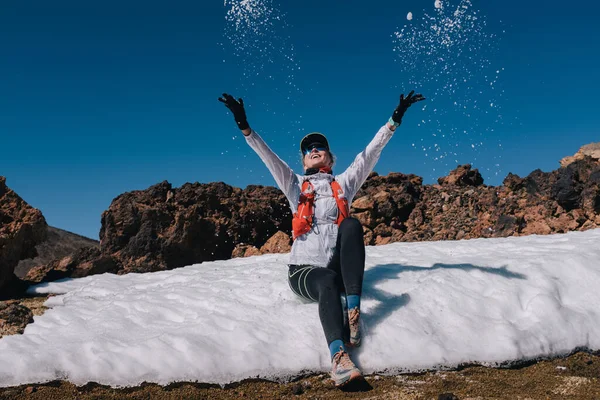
column 303, row 217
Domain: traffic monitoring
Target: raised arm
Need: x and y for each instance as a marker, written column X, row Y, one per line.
column 356, row 174
column 285, row 178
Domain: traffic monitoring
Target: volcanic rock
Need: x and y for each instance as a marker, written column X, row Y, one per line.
column 83, row 262
column 22, row 228
column 165, row 227
column 590, row 150
column 462, row 176
column 14, row 318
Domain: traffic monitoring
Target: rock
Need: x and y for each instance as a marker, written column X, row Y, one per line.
column 462, row 176
column 363, row 203
column 245, row 250
column 567, row 189
column 14, row 318
column 164, row 227
column 590, row 150
column 447, row 396
column 278, row 243
column 297, row 389
column 22, row 228
column 536, row 228
column 564, row 223
column 589, row 225
column 84, row 262
column 366, row 219
column 58, row 244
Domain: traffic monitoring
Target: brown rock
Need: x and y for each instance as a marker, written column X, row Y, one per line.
column 245, row 250
column 380, row 241
column 383, row 230
column 591, row 150
column 22, row 228
column 252, row 251
column 507, row 225
column 462, row 176
column 14, row 318
column 382, row 197
column 368, row 237
column 564, row 223
column 165, row 227
column 366, row 219
column 278, row 243
column 588, row 225
column 363, row 203
column 239, row 250
column 84, row 262
column 537, row 228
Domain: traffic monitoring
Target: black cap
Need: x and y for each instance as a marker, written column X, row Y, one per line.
column 313, row 138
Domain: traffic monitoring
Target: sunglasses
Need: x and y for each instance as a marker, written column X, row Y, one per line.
column 310, row 148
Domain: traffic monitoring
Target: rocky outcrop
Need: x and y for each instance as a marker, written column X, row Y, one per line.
column 22, row 228
column 165, row 227
column 461, row 207
column 58, row 244
column 589, row 150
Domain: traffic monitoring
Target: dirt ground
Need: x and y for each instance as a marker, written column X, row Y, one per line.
column 573, row 377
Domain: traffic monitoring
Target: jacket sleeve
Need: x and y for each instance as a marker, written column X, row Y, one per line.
column 356, row 174
column 284, row 176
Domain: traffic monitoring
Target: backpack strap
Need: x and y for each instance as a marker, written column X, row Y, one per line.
column 341, row 200
column 303, row 217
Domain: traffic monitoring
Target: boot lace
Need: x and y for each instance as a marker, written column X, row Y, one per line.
column 342, row 359
column 354, row 315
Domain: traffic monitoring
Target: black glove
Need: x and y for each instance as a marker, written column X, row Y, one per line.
column 404, row 104
column 237, row 108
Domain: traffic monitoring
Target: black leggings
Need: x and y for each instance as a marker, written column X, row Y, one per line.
column 344, row 273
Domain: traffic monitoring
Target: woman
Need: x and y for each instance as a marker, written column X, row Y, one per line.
column 328, row 253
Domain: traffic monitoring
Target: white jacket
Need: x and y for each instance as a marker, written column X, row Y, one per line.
column 316, row 247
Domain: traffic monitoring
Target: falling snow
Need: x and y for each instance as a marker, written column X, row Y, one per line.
column 446, row 54
column 256, row 40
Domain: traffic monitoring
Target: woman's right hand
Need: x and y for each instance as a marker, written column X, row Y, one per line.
column 239, row 113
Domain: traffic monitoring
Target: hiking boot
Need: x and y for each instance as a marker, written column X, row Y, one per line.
column 354, row 319
column 343, row 369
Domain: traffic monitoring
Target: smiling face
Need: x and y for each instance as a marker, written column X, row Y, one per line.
column 317, row 158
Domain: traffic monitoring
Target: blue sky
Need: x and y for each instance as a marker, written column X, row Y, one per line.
column 103, row 98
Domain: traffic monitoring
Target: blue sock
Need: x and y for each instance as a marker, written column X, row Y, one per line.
column 334, row 347
column 353, row 301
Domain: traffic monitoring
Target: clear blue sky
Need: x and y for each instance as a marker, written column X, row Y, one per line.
column 100, row 98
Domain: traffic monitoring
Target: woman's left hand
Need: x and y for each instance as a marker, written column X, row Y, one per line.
column 405, row 102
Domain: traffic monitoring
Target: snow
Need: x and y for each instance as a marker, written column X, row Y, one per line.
column 447, row 52
column 256, row 38
column 426, row 305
